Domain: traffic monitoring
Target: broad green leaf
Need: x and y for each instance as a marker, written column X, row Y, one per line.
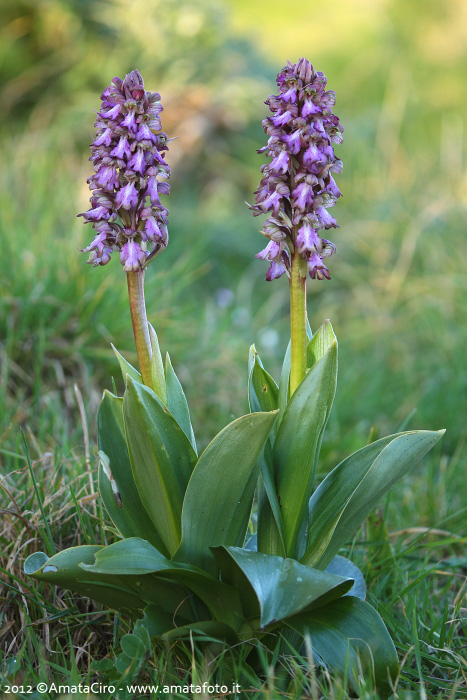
column 319, row 343
column 63, row 569
column 298, row 441
column 120, row 588
column 177, row 403
column 350, row 492
column 349, row 631
column 126, row 368
column 131, row 557
column 136, row 557
column 157, row 367
column 134, row 560
column 273, row 588
column 340, row 566
column 162, row 460
column 263, row 396
column 116, row 483
column 219, row 496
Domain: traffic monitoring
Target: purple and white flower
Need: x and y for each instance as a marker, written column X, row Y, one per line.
column 132, row 256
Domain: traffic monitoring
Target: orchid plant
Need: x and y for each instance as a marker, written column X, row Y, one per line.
column 186, row 560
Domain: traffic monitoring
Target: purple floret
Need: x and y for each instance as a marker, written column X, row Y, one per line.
column 128, row 159
column 297, row 187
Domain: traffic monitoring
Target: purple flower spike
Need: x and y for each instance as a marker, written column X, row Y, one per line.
column 128, row 159
column 297, row 187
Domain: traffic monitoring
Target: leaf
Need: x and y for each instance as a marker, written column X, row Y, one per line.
column 157, row 367
column 352, row 489
column 121, row 587
column 263, row 396
column 136, row 557
column 162, row 460
column 319, row 343
column 126, row 368
column 142, row 634
column 340, row 566
column 350, row 631
column 171, row 598
column 262, row 389
column 273, row 588
column 177, row 403
column 63, row 570
column 220, row 493
column 130, row 557
column 270, row 529
column 128, row 512
column 298, row 441
column 252, row 355
column 123, row 664
column 133, row 646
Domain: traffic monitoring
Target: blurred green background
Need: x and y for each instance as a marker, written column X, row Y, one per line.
column 397, row 298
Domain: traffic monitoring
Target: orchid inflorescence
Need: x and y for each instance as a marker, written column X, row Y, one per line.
column 297, row 187
column 126, row 211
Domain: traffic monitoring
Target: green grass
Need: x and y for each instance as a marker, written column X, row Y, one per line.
column 48, row 634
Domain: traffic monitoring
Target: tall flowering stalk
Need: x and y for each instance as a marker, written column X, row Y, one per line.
column 297, row 189
column 126, row 211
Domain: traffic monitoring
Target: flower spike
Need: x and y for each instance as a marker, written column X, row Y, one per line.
column 297, row 187
column 128, row 159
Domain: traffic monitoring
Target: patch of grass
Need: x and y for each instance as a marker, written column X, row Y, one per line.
column 50, row 635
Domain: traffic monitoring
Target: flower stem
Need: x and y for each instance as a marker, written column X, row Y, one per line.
column 140, row 323
column 297, row 321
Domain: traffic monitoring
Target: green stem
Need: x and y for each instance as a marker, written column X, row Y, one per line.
column 140, row 323
column 297, row 321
